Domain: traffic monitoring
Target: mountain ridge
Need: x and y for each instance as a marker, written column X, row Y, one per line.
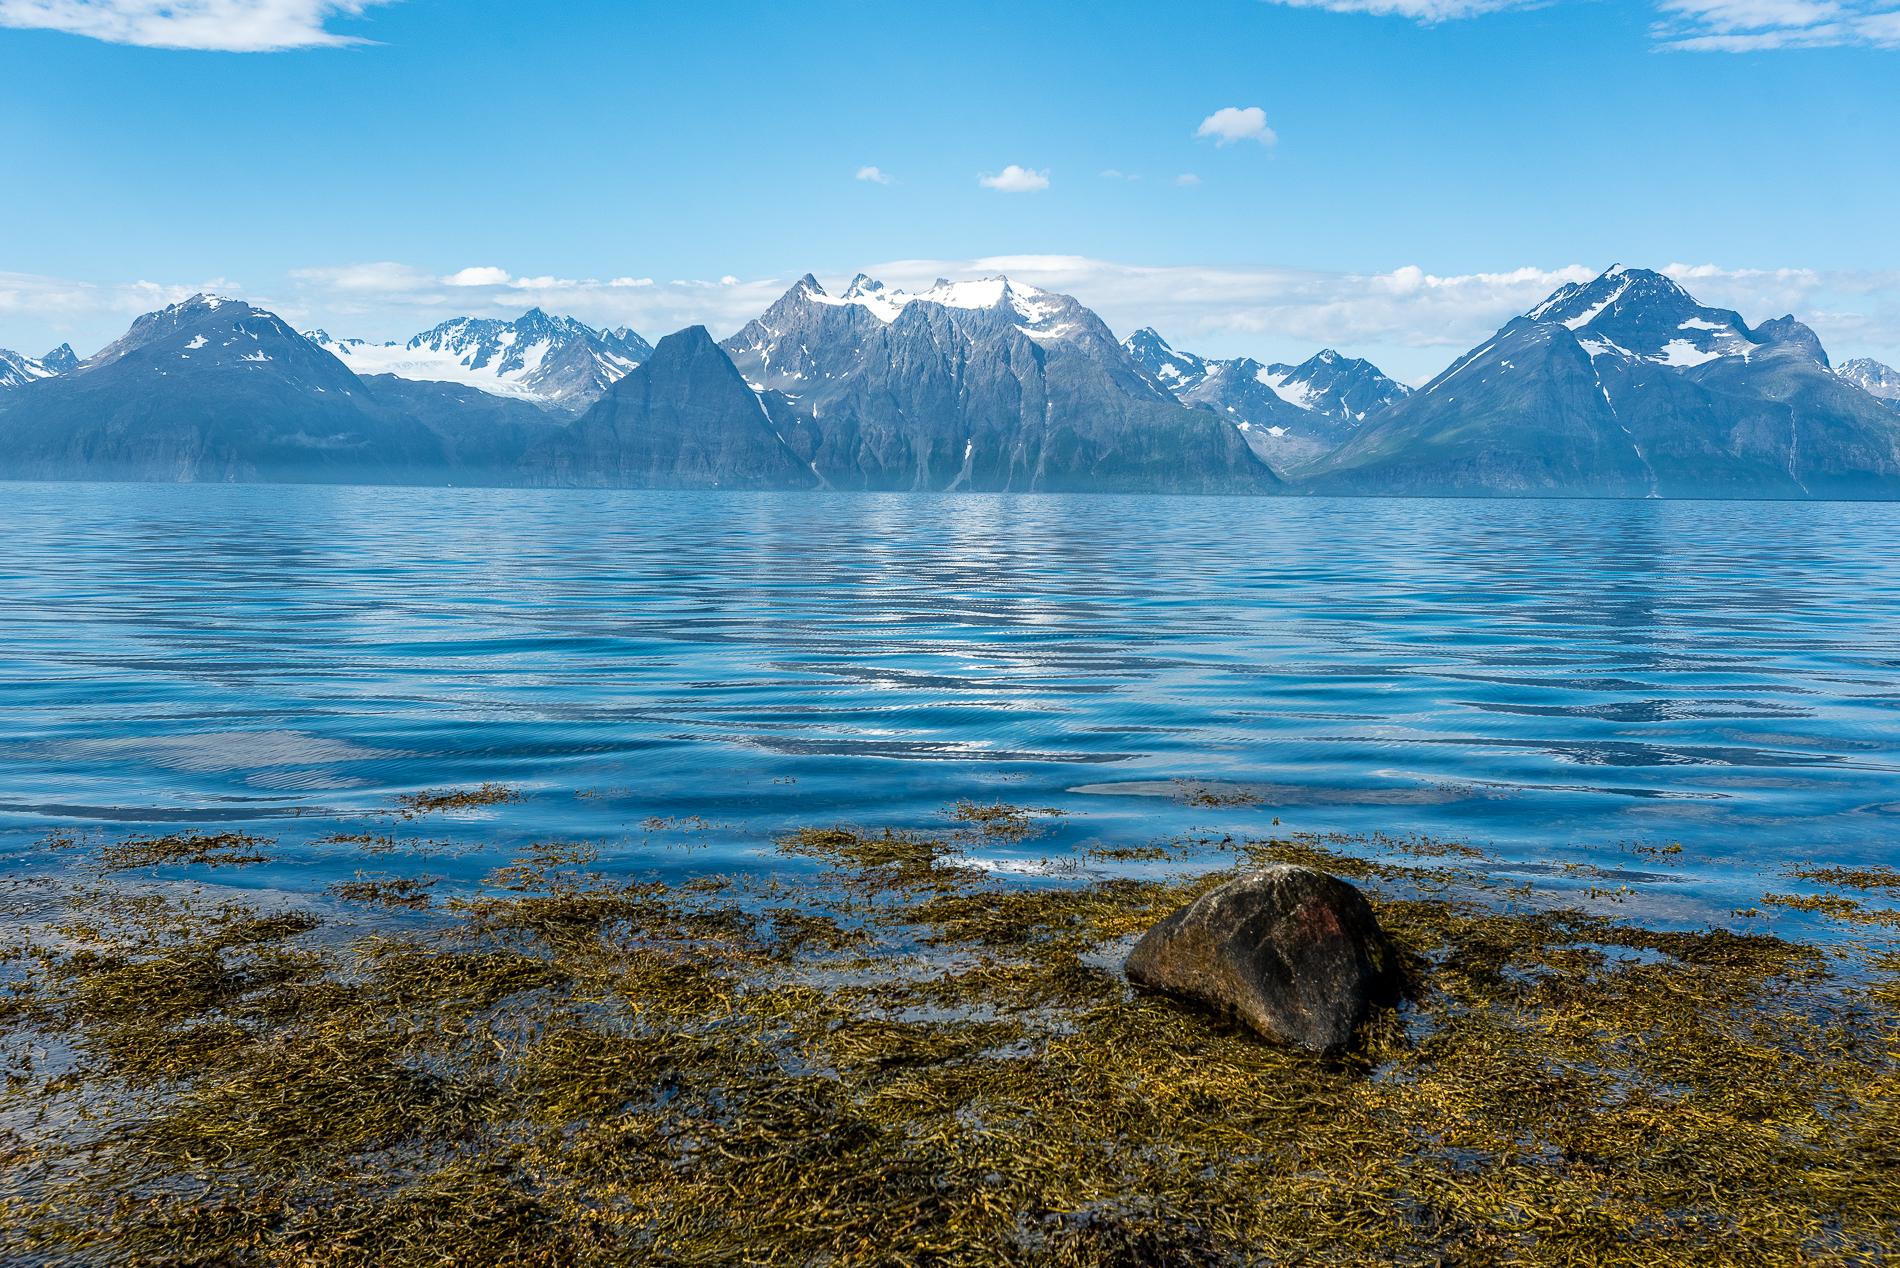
column 558, row 363
column 1626, row 386
column 1621, row 386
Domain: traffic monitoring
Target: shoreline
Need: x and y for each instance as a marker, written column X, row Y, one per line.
column 901, row 1059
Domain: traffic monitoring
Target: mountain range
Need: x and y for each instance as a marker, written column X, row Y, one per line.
column 557, row 363
column 1623, row 386
column 1289, row 414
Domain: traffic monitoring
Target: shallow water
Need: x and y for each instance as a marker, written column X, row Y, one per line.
column 1567, row 681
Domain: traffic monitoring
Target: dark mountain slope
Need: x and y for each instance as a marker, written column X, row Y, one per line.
column 981, row 386
column 483, row 436
column 211, row 390
column 684, row 419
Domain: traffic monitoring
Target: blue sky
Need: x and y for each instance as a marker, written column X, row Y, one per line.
column 1431, row 169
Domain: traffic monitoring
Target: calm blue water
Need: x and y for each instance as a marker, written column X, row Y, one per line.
column 1558, row 678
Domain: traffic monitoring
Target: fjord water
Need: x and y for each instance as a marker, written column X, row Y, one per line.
column 1566, row 681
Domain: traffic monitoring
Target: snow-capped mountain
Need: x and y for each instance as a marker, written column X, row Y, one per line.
column 1874, row 378
column 777, row 341
column 16, row 369
column 1625, row 386
column 1289, row 414
column 983, row 384
column 208, row 389
column 212, row 389
column 558, row 363
column 1350, row 389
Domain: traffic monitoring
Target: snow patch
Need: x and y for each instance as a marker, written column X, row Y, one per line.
column 1590, row 315
column 198, row 341
column 1681, row 353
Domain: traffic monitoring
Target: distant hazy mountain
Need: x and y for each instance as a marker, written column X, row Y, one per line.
column 1874, row 378
column 16, row 369
column 1627, row 387
column 558, row 363
column 212, row 389
column 981, row 385
column 1289, row 414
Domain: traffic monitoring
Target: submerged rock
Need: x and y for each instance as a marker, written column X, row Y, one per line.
column 1294, row 953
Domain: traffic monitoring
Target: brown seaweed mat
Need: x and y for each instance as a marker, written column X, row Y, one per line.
column 900, row 1060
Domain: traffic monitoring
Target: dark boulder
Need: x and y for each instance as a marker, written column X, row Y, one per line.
column 1294, row 953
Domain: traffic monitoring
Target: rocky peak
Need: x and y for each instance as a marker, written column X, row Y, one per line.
column 1177, row 371
column 1789, row 333
column 1874, row 378
column 1640, row 315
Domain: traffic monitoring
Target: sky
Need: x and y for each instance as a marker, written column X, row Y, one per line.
column 1392, row 178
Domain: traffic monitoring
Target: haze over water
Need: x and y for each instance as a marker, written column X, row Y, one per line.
column 1559, row 679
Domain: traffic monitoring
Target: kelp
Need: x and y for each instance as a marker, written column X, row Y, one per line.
column 369, row 889
column 435, row 800
column 181, row 849
column 904, row 1060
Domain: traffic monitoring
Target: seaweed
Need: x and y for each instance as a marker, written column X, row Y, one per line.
column 408, row 892
column 222, row 849
column 1192, row 793
column 900, row 1060
column 435, row 800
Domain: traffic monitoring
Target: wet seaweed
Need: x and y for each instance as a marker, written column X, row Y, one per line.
column 436, row 800
column 1192, row 793
column 902, row 1060
column 181, row 849
column 405, row 892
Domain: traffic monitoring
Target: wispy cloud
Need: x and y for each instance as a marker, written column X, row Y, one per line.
column 1016, row 180
column 1426, row 11
column 872, row 174
column 63, row 304
column 1230, row 124
column 1696, row 26
column 1187, row 178
column 1409, row 321
column 230, row 26
column 391, row 301
column 1747, row 26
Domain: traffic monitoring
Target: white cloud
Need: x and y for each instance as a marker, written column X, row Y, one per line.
column 1187, row 178
column 477, row 277
column 1746, row 26
column 1424, row 11
column 1113, row 175
column 1016, row 180
column 1408, row 321
column 231, row 26
column 1707, row 26
column 872, row 174
column 383, row 278
column 1230, row 124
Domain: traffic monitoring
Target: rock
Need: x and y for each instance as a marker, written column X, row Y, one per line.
column 1294, row 953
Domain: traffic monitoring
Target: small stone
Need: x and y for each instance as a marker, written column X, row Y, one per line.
column 1292, row 952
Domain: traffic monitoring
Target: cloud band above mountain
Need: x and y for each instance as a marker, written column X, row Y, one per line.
column 1408, row 320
